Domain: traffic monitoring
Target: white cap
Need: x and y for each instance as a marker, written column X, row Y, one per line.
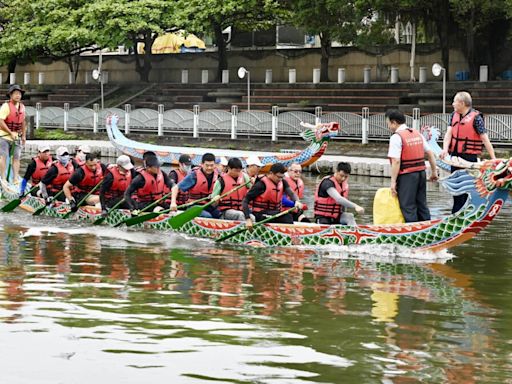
column 223, row 161
column 61, row 151
column 43, row 147
column 253, row 160
column 84, row 148
column 125, row 162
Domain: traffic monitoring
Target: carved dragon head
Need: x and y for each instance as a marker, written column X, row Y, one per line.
column 494, row 174
column 112, row 119
column 321, row 132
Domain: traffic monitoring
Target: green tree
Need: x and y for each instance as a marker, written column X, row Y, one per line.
column 126, row 22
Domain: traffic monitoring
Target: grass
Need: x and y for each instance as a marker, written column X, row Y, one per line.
column 54, row 134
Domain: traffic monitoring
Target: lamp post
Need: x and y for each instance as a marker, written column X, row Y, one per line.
column 241, row 74
column 436, row 71
column 96, row 75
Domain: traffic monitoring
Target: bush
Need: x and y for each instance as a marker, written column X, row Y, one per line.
column 54, row 134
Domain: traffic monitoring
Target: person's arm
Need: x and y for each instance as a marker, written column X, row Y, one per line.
column 395, row 169
column 168, row 181
column 108, row 180
column 287, row 202
column 44, row 192
column 50, row 175
column 488, row 145
column 75, row 179
column 31, row 168
column 6, row 132
column 184, row 185
column 137, row 182
column 293, row 197
column 257, row 189
column 433, row 167
column 217, row 188
column 332, row 192
column 446, row 143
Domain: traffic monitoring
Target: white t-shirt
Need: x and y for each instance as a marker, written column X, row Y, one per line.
column 395, row 144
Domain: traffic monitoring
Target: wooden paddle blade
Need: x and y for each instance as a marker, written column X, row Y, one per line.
column 142, row 218
column 11, row 205
column 179, row 220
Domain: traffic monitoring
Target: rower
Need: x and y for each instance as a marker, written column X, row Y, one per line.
column 253, row 165
column 231, row 205
column 57, row 175
column 83, row 180
column 293, row 178
column 331, row 198
column 266, row 196
column 199, row 184
column 117, row 179
column 37, row 168
column 148, row 186
column 80, row 155
column 221, row 163
column 176, row 175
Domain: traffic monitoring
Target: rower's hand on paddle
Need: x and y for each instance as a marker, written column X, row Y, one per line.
column 73, row 205
column 104, row 213
column 14, row 135
column 215, row 199
column 304, row 207
column 173, row 207
column 299, row 205
column 359, row 209
column 443, row 154
column 135, row 212
column 49, row 200
column 248, row 224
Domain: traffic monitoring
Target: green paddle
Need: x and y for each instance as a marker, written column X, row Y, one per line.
column 14, row 203
column 229, row 235
column 11, row 159
column 84, row 199
column 153, row 204
column 102, row 218
column 179, row 220
column 41, row 210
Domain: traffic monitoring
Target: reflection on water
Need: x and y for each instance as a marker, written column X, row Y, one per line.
column 114, row 305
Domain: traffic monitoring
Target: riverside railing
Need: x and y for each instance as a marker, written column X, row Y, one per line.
column 274, row 125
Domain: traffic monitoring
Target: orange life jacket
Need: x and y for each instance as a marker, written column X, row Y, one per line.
column 79, row 162
column 201, row 189
column 16, row 117
column 327, row 206
column 234, row 199
column 120, row 183
column 465, row 139
column 182, row 197
column 41, row 169
column 63, row 175
column 296, row 187
column 270, row 200
column 90, row 180
column 412, row 158
column 153, row 188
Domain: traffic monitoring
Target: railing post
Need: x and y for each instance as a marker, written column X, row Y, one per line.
column 160, row 119
column 195, row 131
column 318, row 115
column 127, row 111
column 38, row 115
column 416, row 118
column 66, row 116
column 234, row 121
column 275, row 114
column 95, row 117
column 12, row 78
column 365, row 125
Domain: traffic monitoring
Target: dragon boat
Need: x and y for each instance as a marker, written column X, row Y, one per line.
column 317, row 136
column 487, row 183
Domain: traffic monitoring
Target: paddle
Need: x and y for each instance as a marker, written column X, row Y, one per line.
column 191, row 213
column 151, row 215
column 14, row 203
column 11, row 159
column 40, row 210
column 229, row 235
column 84, row 199
column 102, row 218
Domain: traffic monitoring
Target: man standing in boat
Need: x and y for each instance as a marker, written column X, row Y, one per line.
column 465, row 137
column 331, row 198
column 37, row 168
column 57, row 175
column 199, row 184
column 117, row 179
column 12, row 130
column 83, row 180
column 148, row 186
column 231, row 205
column 294, row 180
column 407, row 149
column 266, row 197
column 176, row 175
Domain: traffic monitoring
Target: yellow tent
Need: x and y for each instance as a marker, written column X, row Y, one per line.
column 173, row 43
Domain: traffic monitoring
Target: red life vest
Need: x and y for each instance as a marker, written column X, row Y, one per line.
column 153, row 188
column 90, row 180
column 327, row 206
column 79, row 162
column 120, row 183
column 234, row 199
column 41, row 169
column 465, row 138
column 182, row 197
column 201, row 189
column 16, row 117
column 296, row 187
column 412, row 158
column 270, row 200
column 63, row 175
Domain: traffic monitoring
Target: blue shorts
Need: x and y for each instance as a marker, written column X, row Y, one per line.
column 5, row 149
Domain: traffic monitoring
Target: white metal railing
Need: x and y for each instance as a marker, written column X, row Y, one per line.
column 254, row 123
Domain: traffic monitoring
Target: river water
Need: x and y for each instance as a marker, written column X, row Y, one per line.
column 103, row 305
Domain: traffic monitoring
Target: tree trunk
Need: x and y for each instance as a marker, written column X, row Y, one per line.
column 470, row 45
column 325, row 44
column 143, row 62
column 11, row 68
column 73, row 65
column 221, row 49
column 442, row 9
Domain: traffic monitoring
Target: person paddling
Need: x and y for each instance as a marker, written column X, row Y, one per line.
column 117, row 179
column 176, row 175
column 36, row 169
column 60, row 171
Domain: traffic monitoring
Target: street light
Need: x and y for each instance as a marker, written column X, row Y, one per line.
column 436, row 71
column 241, row 74
column 96, row 75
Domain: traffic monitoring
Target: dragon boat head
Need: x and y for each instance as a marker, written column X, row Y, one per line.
column 495, row 174
column 112, row 119
column 321, row 132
